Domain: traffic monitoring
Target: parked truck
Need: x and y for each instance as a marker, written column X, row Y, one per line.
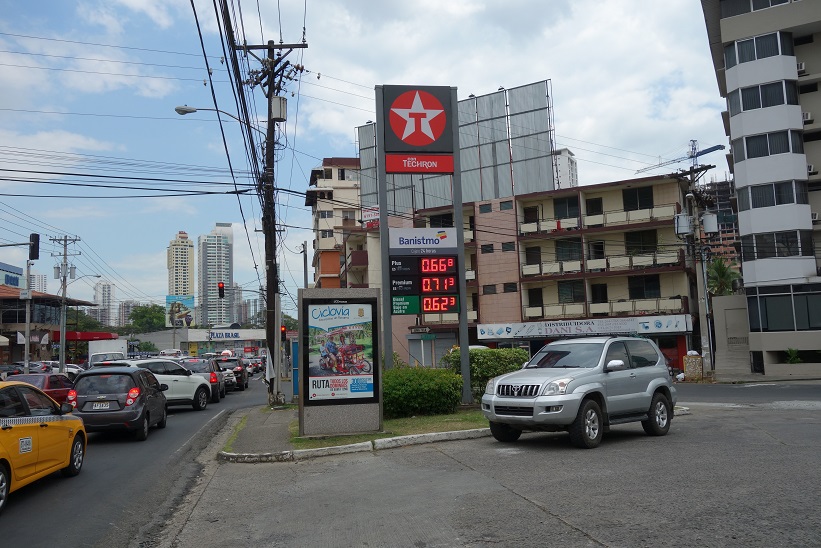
column 107, row 350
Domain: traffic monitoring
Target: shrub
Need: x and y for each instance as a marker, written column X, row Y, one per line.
column 485, row 364
column 793, row 356
column 409, row 391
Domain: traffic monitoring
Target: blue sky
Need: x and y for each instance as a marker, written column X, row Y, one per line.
column 89, row 89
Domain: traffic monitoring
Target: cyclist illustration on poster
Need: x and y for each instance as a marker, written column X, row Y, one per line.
column 341, row 351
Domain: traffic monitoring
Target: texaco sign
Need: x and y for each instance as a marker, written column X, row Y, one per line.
column 418, row 129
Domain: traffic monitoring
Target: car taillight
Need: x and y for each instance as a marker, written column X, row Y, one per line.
column 132, row 396
column 72, row 398
column 238, row 369
column 213, row 378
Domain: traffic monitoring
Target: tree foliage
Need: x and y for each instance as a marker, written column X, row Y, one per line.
column 145, row 319
column 720, row 277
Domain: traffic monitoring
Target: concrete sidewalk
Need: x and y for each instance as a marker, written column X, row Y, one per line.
column 262, row 434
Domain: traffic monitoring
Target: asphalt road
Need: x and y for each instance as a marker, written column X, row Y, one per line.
column 125, row 485
column 739, row 470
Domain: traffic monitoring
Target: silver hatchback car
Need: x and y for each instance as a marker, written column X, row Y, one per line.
column 583, row 386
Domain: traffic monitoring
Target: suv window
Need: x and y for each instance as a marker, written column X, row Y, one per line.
column 642, row 354
column 617, row 351
column 150, row 380
column 158, row 368
column 104, row 384
column 198, row 366
column 583, row 355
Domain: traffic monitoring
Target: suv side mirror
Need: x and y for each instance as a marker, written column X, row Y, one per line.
column 163, row 387
column 615, row 365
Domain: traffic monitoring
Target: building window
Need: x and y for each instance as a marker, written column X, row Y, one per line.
column 640, row 242
column 637, row 198
column 508, row 246
column 535, row 297
column 530, row 215
column 644, row 287
column 488, row 289
column 569, row 250
column 444, row 220
column 788, row 243
column 598, row 293
column 571, row 291
column 485, row 208
column 566, row 208
column 487, row 248
column 340, row 174
column 595, row 250
column 594, row 206
column 348, row 214
column 759, row 47
column 768, row 144
column 325, row 214
column 507, row 204
column 533, row 255
column 510, row 287
column 326, row 233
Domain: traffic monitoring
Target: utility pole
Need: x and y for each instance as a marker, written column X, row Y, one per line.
column 63, row 275
column 305, row 264
column 270, row 77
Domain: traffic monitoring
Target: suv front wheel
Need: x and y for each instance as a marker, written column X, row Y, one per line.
column 586, row 431
column 658, row 420
column 504, row 432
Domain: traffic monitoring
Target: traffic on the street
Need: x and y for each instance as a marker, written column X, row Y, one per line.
column 127, row 463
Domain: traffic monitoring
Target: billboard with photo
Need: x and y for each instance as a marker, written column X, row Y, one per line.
column 179, row 311
column 341, row 352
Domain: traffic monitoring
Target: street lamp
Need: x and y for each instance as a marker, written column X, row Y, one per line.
column 185, row 109
column 63, row 316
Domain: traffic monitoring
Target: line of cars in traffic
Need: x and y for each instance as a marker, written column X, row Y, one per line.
column 45, row 417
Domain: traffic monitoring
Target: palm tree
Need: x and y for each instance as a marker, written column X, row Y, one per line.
column 720, row 277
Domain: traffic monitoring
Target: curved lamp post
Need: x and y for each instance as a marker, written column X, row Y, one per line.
column 185, row 109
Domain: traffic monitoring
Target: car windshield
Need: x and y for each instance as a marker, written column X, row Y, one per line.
column 228, row 362
column 571, row 355
column 37, row 380
column 197, row 366
column 104, row 384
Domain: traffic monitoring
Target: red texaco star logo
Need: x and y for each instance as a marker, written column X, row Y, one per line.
column 417, row 117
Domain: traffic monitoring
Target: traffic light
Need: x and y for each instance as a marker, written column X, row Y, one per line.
column 282, row 333
column 221, row 290
column 34, row 247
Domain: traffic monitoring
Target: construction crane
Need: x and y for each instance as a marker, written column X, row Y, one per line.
column 692, row 155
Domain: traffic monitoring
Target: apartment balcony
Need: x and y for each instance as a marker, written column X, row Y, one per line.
column 357, row 261
column 634, row 307
column 606, row 219
column 614, row 263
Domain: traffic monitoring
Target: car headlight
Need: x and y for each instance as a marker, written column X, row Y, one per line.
column 556, row 388
column 490, row 387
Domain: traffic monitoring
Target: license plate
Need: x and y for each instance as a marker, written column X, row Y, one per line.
column 100, row 405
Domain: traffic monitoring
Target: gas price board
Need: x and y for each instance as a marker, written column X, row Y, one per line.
column 426, row 285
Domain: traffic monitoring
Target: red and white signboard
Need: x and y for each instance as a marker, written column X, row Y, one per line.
column 418, row 133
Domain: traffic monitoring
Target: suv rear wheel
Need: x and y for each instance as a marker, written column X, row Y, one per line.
column 504, row 432
column 586, row 431
column 658, row 420
column 200, row 399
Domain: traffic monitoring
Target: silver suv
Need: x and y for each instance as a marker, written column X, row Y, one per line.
column 583, row 386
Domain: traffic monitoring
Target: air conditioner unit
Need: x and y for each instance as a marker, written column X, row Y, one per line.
column 802, row 69
column 807, row 117
column 814, row 216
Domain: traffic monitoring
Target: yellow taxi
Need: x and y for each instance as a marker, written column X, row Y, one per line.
column 38, row 436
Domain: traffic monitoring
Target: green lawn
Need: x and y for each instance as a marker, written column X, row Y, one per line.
column 464, row 419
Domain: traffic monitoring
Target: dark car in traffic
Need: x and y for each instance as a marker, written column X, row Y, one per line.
column 56, row 385
column 237, row 366
column 209, row 370
column 119, row 398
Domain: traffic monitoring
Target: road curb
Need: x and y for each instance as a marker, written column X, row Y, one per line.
column 362, row 447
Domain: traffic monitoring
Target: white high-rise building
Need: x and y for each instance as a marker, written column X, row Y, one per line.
column 37, row 282
column 181, row 265
column 216, row 264
column 104, row 297
column 124, row 312
column 767, row 59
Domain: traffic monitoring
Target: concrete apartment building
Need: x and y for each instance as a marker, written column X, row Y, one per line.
column 104, row 297
column 768, row 66
column 180, row 256
column 216, row 264
column 333, row 196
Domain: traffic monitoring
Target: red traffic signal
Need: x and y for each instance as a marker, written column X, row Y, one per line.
column 282, row 333
column 221, row 290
